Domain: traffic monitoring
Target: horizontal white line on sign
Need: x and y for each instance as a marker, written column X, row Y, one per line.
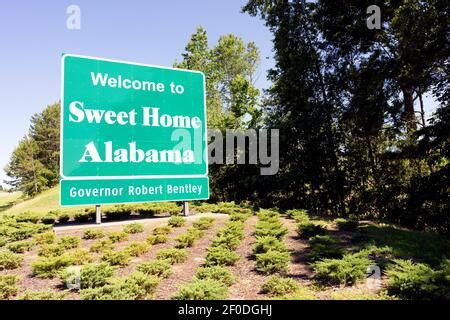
column 135, row 177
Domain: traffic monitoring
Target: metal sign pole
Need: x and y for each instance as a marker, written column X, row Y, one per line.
column 185, row 208
column 98, row 214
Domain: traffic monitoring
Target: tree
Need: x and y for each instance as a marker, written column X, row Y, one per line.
column 34, row 163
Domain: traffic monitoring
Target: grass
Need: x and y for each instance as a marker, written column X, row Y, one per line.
column 8, row 200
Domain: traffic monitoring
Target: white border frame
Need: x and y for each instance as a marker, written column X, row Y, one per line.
column 205, row 138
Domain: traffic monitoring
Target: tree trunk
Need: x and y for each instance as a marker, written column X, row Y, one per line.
column 409, row 115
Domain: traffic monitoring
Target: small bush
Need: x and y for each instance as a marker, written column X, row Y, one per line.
column 221, row 256
column 69, row 242
column 272, row 262
column 299, row 215
column 176, row 221
column 45, row 238
column 8, row 286
column 102, row 246
column 80, row 256
column 133, row 287
column 409, row 280
column 264, row 244
column 278, row 286
column 93, row 234
column 346, row 224
column 194, row 232
column 310, row 229
column 91, row 275
column 324, row 247
column 185, row 240
column 203, row 223
column 50, row 250
column 20, row 246
column 83, row 216
column 133, row 228
column 48, row 219
column 10, row 260
column 206, row 289
column 28, row 217
column 118, row 236
column 63, row 217
column 172, row 255
column 50, row 267
column 347, row 271
column 218, row 273
column 159, row 268
column 137, row 249
column 164, row 230
column 155, row 239
column 42, row 295
column 116, row 258
column 270, row 228
column 228, row 241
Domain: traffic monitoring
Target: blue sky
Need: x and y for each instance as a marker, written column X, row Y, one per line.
column 33, row 35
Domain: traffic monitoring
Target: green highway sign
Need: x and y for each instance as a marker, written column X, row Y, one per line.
column 127, row 125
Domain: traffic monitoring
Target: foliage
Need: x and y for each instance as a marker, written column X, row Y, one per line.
column 176, row 221
column 185, row 240
column 218, row 273
column 91, row 275
column 205, row 289
column 163, row 230
column 80, row 256
column 20, row 246
column 51, row 266
column 93, row 234
column 160, row 268
column 221, row 256
column 272, row 262
column 69, row 242
column 264, row 244
column 45, row 238
column 310, row 229
column 8, row 286
column 324, row 247
column 410, row 280
column 118, row 236
column 155, row 239
column 50, row 250
column 10, row 260
column 136, row 286
column 172, row 255
column 278, row 286
column 102, row 245
column 203, row 223
column 116, row 258
column 42, row 295
column 346, row 224
column 133, row 228
column 137, row 249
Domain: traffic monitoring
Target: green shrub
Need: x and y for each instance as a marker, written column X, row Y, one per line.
column 203, row 223
column 347, row 271
column 42, row 295
column 218, row 273
column 221, row 256
column 8, row 286
column 117, row 258
column 299, row 215
column 172, row 255
column 31, row 217
column 83, row 216
column 155, row 239
column 239, row 217
column 50, row 267
column 324, row 247
column 408, row 280
column 176, row 221
column 63, row 217
column 48, row 219
column 159, row 268
column 50, row 250
column 80, row 256
column 3, row 241
column 133, row 287
column 310, row 229
column 264, row 244
column 91, row 275
column 45, row 238
column 133, row 228
column 69, row 242
column 137, row 249
column 228, row 241
column 185, row 240
column 346, row 224
column 270, row 228
column 20, row 246
column 278, row 286
column 93, row 234
column 102, row 246
column 24, row 230
column 194, row 232
column 10, row 260
column 272, row 262
column 164, row 230
column 206, row 289
column 118, row 236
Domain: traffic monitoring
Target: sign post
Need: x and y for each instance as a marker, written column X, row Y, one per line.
column 98, row 214
column 131, row 133
column 185, row 208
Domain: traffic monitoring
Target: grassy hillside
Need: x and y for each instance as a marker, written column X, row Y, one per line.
column 7, row 200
